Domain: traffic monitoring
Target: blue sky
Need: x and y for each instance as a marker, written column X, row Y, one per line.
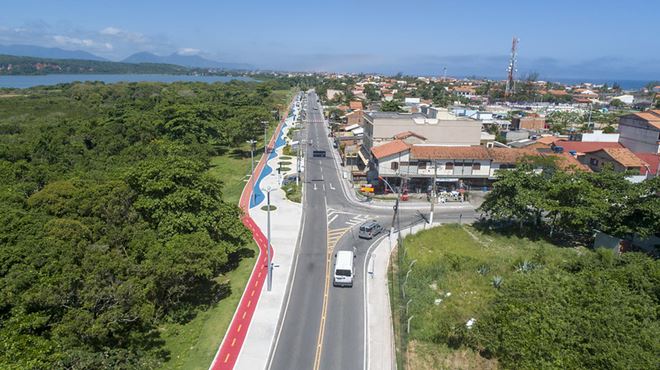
column 578, row 38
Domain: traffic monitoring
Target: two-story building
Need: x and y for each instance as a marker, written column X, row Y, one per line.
column 447, row 129
column 640, row 132
column 474, row 166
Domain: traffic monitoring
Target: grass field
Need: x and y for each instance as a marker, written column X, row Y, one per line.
column 451, row 281
column 193, row 345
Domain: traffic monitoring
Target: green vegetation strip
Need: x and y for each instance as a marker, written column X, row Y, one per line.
column 530, row 304
column 293, row 192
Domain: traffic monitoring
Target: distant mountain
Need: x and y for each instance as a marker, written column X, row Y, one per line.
column 193, row 61
column 44, row 52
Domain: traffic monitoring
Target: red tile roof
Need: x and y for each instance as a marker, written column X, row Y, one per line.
column 624, row 157
column 653, row 161
column 585, row 146
column 391, row 148
column 449, row 152
column 355, row 105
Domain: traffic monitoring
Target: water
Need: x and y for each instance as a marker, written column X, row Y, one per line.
column 23, row 82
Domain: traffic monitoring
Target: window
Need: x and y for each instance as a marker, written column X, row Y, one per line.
column 422, row 165
column 449, row 166
column 476, row 166
column 395, row 165
column 593, row 161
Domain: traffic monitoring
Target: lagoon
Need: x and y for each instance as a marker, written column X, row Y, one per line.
column 22, row 82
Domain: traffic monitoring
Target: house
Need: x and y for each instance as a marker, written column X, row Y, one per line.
column 528, row 123
column 598, row 136
column 353, row 118
column 390, row 158
column 446, row 129
column 355, row 105
column 621, row 159
column 626, row 99
column 653, row 162
column 331, row 94
column 464, row 91
column 640, row 132
column 581, row 147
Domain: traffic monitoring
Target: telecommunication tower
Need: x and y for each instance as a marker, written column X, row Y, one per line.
column 510, row 82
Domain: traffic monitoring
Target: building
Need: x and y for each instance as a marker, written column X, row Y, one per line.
column 579, row 148
column 528, row 123
column 353, row 118
column 446, row 130
column 599, row 136
column 356, row 105
column 621, row 159
column 331, row 94
column 640, row 132
column 452, row 166
column 626, row 99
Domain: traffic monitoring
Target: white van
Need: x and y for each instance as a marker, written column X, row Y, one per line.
column 344, row 272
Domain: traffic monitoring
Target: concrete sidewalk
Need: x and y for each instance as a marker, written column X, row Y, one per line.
column 285, row 226
column 381, row 353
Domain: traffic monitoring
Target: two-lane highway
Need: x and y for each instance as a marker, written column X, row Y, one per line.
column 323, row 327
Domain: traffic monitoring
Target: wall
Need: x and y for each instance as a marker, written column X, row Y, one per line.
column 638, row 136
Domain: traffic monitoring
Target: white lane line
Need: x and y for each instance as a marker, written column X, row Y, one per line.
column 332, row 187
column 332, row 219
column 314, row 186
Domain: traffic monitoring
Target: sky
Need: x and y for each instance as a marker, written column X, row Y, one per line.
column 558, row 39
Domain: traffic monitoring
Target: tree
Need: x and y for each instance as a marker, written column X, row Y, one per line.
column 391, row 106
column 617, row 103
column 597, row 312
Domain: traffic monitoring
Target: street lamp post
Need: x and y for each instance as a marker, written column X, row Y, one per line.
column 252, row 143
column 270, row 265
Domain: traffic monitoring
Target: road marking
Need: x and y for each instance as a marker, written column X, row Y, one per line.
column 314, row 186
column 252, row 294
column 244, row 313
column 332, row 187
column 332, row 219
column 227, row 358
column 233, row 341
column 249, row 303
column 240, row 326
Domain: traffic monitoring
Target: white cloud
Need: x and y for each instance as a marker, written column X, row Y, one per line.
column 110, row 31
column 188, row 51
column 118, row 33
column 73, row 41
column 108, row 46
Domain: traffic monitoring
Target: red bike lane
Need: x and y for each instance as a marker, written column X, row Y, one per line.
column 232, row 343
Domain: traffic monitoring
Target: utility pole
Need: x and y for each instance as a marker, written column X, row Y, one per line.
column 434, row 192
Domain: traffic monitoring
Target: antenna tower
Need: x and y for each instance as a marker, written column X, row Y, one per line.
column 511, row 82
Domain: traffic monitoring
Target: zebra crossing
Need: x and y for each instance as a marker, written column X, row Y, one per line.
column 353, row 218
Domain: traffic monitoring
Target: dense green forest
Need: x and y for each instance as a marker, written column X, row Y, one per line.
column 110, row 223
column 18, row 65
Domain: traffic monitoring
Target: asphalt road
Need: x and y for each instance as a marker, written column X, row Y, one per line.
column 323, row 327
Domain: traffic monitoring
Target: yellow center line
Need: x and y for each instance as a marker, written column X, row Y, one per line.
column 324, row 310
